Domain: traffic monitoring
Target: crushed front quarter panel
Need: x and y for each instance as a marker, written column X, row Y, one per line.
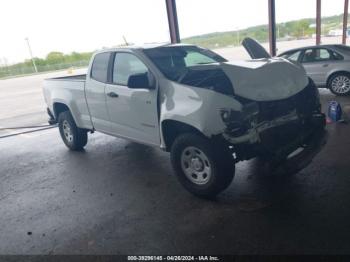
column 197, row 107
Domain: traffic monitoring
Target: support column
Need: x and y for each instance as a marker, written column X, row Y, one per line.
column 172, row 20
column 272, row 27
column 318, row 22
column 345, row 21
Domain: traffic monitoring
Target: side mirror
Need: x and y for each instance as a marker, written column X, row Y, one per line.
column 140, row 81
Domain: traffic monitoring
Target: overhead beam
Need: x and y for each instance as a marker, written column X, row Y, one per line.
column 345, row 21
column 172, row 21
column 272, row 27
column 318, row 22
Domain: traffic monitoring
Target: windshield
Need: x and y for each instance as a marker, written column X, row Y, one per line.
column 175, row 62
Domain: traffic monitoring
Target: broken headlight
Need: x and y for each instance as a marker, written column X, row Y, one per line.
column 239, row 122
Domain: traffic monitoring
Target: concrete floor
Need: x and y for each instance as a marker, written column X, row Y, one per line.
column 119, row 197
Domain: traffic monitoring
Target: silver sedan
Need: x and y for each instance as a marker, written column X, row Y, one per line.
column 327, row 65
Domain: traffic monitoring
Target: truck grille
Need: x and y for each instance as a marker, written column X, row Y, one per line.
column 305, row 102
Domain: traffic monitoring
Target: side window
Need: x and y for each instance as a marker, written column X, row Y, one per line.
column 294, row 56
column 323, row 54
column 125, row 65
column 316, row 55
column 99, row 67
column 337, row 56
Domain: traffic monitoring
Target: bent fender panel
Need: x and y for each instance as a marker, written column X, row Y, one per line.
column 197, row 107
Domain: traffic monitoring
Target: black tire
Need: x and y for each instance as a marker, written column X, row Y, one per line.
column 219, row 160
column 342, row 79
column 76, row 138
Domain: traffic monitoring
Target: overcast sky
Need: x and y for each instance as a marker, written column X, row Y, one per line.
column 87, row 25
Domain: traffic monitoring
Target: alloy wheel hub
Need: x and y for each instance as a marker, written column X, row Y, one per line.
column 341, row 84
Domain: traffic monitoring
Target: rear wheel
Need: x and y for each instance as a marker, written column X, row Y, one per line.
column 74, row 137
column 339, row 84
column 202, row 167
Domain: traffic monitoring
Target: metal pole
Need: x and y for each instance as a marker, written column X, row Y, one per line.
column 31, row 55
column 272, row 27
column 126, row 42
column 318, row 22
column 345, row 21
column 172, row 20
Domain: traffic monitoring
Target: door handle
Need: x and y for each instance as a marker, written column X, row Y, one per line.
column 112, row 94
column 325, row 65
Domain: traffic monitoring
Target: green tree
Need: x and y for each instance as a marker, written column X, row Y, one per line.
column 300, row 28
column 55, row 58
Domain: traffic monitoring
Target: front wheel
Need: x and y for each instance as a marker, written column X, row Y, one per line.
column 339, row 84
column 202, row 167
column 74, row 137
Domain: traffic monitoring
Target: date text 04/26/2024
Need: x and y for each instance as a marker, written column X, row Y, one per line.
column 173, row 258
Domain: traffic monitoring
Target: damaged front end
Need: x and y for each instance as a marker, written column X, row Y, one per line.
column 277, row 130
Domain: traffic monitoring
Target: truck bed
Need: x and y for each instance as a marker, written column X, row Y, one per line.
column 69, row 78
column 70, row 91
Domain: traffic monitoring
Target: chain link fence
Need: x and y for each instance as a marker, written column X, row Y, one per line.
column 17, row 70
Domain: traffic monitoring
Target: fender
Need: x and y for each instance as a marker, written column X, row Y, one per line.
column 194, row 106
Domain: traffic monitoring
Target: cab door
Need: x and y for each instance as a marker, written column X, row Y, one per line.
column 95, row 92
column 133, row 110
column 317, row 63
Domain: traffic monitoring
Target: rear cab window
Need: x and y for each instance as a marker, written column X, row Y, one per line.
column 99, row 68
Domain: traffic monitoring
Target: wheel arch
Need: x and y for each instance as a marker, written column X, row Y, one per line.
column 58, row 108
column 173, row 128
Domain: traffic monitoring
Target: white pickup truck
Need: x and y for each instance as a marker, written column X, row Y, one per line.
column 208, row 112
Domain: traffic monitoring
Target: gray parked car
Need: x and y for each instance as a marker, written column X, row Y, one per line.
column 327, row 65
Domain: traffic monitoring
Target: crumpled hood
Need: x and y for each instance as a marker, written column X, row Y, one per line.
column 266, row 79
